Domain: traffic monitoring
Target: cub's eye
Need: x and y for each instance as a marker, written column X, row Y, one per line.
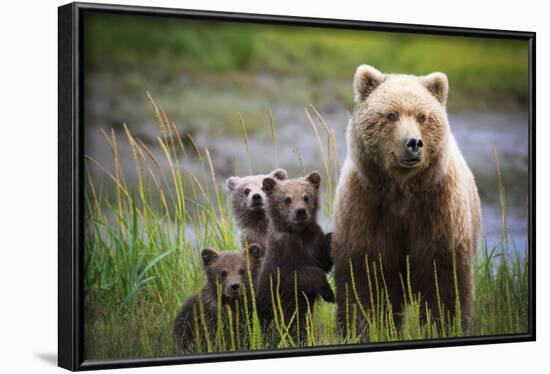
column 247, row 191
column 392, row 116
column 288, row 200
column 223, row 274
column 242, row 271
column 421, row 118
column 306, row 199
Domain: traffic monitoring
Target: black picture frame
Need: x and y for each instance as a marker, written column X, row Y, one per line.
column 70, row 179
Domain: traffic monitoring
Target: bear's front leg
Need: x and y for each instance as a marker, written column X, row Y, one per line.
column 364, row 289
column 321, row 252
column 443, row 281
column 313, row 281
column 351, row 291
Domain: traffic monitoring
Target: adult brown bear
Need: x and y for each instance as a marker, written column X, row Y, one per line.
column 405, row 191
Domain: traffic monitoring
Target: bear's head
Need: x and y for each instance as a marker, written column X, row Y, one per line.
column 248, row 197
column 399, row 122
column 293, row 203
column 229, row 269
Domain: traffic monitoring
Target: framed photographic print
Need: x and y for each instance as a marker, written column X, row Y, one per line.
column 239, row 186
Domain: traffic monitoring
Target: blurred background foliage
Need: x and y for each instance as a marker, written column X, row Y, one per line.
column 475, row 66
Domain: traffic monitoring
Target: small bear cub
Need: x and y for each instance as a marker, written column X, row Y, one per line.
column 228, row 271
column 297, row 246
column 249, row 205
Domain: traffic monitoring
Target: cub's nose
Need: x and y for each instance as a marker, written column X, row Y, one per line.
column 235, row 286
column 413, row 146
column 256, row 197
column 301, row 213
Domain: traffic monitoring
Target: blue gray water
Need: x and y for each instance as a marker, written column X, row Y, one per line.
column 476, row 132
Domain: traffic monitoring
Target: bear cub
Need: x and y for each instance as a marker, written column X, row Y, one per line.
column 297, row 246
column 228, row 271
column 249, row 205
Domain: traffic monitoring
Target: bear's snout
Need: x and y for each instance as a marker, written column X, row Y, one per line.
column 233, row 289
column 301, row 214
column 412, row 152
column 255, row 200
column 413, row 147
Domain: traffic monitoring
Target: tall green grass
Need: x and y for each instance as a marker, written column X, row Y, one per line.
column 142, row 247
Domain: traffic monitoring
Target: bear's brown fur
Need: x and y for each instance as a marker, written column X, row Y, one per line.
column 249, row 203
column 397, row 199
column 229, row 272
column 296, row 246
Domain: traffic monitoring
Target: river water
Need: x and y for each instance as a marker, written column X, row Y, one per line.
column 110, row 102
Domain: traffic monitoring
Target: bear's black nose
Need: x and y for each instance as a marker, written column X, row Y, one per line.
column 413, row 146
column 256, row 197
column 301, row 213
column 235, row 286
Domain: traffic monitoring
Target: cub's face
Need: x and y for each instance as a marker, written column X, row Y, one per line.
column 247, row 193
column 229, row 269
column 293, row 203
column 400, row 121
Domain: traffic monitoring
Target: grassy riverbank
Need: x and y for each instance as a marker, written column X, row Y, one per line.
column 142, row 249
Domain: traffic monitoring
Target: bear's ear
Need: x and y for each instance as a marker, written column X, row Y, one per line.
column 366, row 80
column 232, row 182
column 208, row 256
column 314, row 178
column 255, row 251
column 269, row 184
column 438, row 85
column 279, row 174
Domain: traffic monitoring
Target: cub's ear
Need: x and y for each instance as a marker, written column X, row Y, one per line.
column 208, row 256
column 438, row 85
column 366, row 80
column 269, row 184
column 232, row 182
column 314, row 178
column 255, row 251
column 279, row 174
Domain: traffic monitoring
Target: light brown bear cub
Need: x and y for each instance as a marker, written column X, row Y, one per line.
column 249, row 205
column 229, row 272
column 404, row 191
column 295, row 245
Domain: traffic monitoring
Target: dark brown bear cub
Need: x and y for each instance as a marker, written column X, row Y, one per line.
column 228, row 272
column 296, row 249
column 249, row 203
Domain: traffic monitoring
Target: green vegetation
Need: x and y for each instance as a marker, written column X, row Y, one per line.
column 142, row 249
column 475, row 66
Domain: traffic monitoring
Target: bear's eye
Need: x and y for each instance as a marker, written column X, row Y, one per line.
column 223, row 274
column 306, row 199
column 247, row 191
column 421, row 118
column 288, row 200
column 392, row 116
column 242, row 271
